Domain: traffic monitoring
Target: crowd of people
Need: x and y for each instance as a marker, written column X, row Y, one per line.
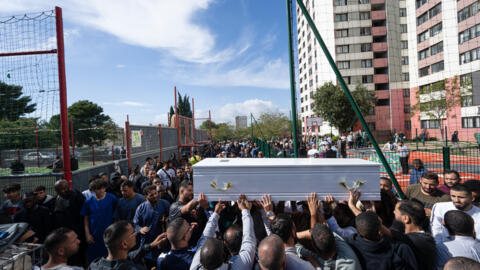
column 151, row 219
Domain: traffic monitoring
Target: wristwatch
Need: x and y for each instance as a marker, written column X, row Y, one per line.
column 270, row 214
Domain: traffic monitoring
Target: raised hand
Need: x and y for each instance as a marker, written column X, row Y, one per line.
column 202, row 201
column 219, row 207
column 267, row 203
column 243, row 203
column 313, row 203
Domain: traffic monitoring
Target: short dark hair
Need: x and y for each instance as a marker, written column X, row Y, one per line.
column 173, row 230
column 323, row 239
column 12, row 187
column 282, row 226
column 459, row 222
column 149, row 188
column 40, row 188
column 414, row 210
column 155, row 157
column 461, row 263
column 114, row 233
column 212, row 254
column 186, row 183
column 452, row 172
column 98, row 184
column 472, row 184
column 233, row 238
column 55, row 239
column 461, row 188
column 126, row 184
column 419, row 161
column 368, row 225
column 148, row 158
column 430, row 176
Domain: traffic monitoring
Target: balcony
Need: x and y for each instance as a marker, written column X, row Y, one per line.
column 380, row 62
column 379, row 47
column 380, row 78
column 378, row 15
column 379, row 31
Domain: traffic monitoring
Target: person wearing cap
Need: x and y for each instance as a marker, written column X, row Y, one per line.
column 114, row 184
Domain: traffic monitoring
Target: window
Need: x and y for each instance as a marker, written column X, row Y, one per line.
column 437, row 67
column 343, row 64
column 435, row 10
column 470, row 122
column 365, row 31
column 404, row 44
column 405, row 77
column 301, row 100
column 310, row 72
column 423, row 71
column 470, row 56
column 340, row 2
column 404, row 60
column 371, row 126
column 436, row 48
column 363, row 1
column 419, row 3
column 467, row 101
column 403, row 12
column 383, row 102
column 406, row 92
column 310, row 83
column 403, row 28
column 343, row 49
column 467, row 12
column 406, row 108
column 423, row 54
column 309, row 60
column 430, row 124
column 341, row 33
column 348, row 80
column 422, row 36
column 436, row 29
column 365, row 15
column 366, row 47
column 342, row 17
column 367, row 79
column 408, row 125
column 367, row 63
column 422, row 18
column 468, row 34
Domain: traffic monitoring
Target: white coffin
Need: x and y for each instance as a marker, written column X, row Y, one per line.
column 284, row 179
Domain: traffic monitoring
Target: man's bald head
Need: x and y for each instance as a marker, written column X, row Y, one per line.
column 61, row 187
column 271, row 253
column 212, row 254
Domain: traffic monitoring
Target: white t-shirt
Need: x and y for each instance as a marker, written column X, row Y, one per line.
column 166, row 179
column 439, row 232
column 403, row 150
column 312, row 152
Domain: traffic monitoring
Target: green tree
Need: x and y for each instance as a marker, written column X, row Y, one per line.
column 183, row 105
column 436, row 100
column 223, row 132
column 91, row 125
column 205, row 125
column 13, row 104
column 274, row 125
column 331, row 103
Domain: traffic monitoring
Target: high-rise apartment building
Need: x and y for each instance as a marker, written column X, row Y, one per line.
column 368, row 39
column 240, row 122
column 444, row 53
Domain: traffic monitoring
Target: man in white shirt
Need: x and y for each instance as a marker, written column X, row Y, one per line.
column 404, row 153
column 167, row 174
column 313, row 150
column 462, row 234
column 462, row 200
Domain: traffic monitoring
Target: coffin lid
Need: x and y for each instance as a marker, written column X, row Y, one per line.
column 281, row 162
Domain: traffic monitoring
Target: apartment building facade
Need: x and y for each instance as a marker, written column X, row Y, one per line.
column 368, row 39
column 444, row 55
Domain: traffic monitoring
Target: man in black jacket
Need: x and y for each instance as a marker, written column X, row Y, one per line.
column 119, row 239
column 376, row 251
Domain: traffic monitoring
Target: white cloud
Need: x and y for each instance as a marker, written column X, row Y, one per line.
column 227, row 112
column 120, row 65
column 127, row 104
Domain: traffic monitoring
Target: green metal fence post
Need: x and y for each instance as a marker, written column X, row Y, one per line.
column 350, row 98
column 416, row 138
column 446, row 158
column 292, row 78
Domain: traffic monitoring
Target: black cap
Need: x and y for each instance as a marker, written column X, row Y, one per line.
column 115, row 175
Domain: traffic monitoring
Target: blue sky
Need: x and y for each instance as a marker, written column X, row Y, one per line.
column 230, row 55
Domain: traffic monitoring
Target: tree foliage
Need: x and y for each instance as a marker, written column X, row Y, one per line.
column 267, row 126
column 331, row 103
column 20, row 134
column 184, row 107
column 13, row 104
column 91, row 125
column 436, row 101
